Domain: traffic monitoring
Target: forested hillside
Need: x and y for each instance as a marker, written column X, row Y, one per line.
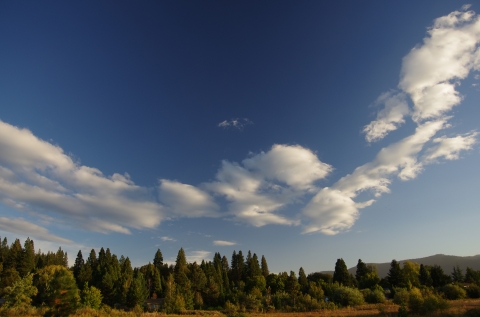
column 446, row 262
column 241, row 283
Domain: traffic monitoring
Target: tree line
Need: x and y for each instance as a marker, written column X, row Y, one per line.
column 243, row 283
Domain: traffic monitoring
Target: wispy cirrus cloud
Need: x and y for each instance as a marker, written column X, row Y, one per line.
column 224, row 243
column 21, row 226
column 167, row 238
column 198, row 256
column 238, row 123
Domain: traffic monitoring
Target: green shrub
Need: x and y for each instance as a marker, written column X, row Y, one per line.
column 433, row 303
column 401, row 296
column 347, row 296
column 375, row 297
column 452, row 292
column 473, row 291
column 415, row 301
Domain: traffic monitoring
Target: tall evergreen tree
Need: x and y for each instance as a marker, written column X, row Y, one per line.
column 77, row 267
column 14, row 258
column 27, row 263
column 302, row 280
column 362, row 270
column 457, row 274
column 292, row 287
column 424, row 275
column 395, row 277
column 158, row 260
column 439, row 278
column 341, row 274
column 4, row 248
column 237, row 267
column 137, row 291
column 181, row 268
column 264, row 267
column 472, row 276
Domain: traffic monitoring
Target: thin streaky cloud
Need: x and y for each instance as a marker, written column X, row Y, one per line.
column 21, row 226
column 166, row 238
column 224, row 243
column 198, row 256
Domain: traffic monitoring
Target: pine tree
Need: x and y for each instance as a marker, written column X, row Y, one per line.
column 439, row 278
column 424, row 275
column 181, row 268
column 362, row 270
column 457, row 274
column 158, row 260
column 264, row 267
column 91, row 297
column 14, row 258
column 61, row 258
column 27, row 263
column 302, row 280
column 394, row 277
column 341, row 274
column 292, row 287
column 77, row 267
column 137, row 292
column 174, row 302
column 472, row 276
column 4, row 250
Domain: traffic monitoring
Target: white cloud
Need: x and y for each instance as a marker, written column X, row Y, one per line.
column 39, row 176
column 224, row 243
column 238, row 123
column 198, row 256
column 186, row 200
column 166, row 238
column 267, row 182
column 450, row 148
column 389, row 118
column 21, row 226
column 430, row 73
column 333, row 209
column 293, row 165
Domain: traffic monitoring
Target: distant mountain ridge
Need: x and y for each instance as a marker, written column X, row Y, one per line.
column 447, row 262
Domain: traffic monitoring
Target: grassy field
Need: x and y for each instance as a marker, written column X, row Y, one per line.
column 457, row 308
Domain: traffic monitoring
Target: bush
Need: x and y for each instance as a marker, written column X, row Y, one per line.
column 375, row 297
column 473, row 291
column 401, row 296
column 347, row 296
column 432, row 304
column 415, row 301
column 452, row 292
column 420, row 302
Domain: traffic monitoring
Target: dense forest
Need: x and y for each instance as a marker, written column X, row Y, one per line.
column 243, row 283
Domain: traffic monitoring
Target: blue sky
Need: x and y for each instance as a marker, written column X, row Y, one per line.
column 302, row 131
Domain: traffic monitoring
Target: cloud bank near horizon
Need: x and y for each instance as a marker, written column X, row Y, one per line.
column 38, row 177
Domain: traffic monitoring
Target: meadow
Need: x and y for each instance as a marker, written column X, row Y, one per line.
column 466, row 307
